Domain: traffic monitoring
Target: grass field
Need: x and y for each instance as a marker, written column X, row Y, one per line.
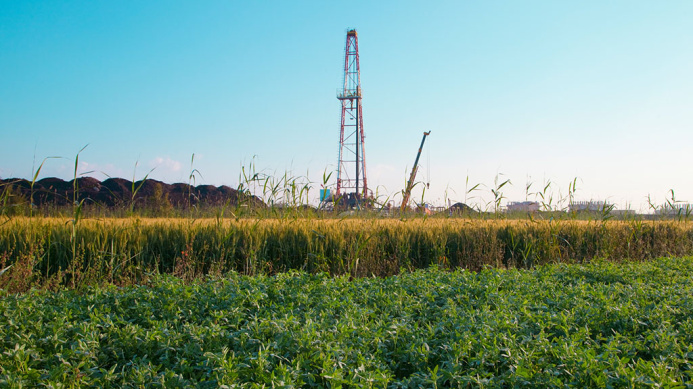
column 58, row 252
column 596, row 325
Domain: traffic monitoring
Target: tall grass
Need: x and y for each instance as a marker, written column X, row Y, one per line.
column 49, row 252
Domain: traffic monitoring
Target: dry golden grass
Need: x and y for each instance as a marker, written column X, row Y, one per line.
column 92, row 251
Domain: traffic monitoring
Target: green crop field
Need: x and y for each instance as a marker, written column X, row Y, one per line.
column 602, row 324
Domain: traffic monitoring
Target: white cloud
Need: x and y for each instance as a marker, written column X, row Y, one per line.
column 166, row 164
column 166, row 169
column 96, row 170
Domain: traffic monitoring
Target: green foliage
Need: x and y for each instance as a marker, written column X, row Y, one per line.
column 12, row 203
column 158, row 203
column 136, row 188
column 596, row 325
column 33, row 183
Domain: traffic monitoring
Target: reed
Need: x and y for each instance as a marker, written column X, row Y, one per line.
column 51, row 251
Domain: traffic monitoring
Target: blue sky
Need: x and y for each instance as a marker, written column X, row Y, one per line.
column 531, row 91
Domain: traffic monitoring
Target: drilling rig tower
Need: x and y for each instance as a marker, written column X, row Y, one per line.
column 352, row 185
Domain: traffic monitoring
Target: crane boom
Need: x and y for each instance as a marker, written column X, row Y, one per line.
column 410, row 183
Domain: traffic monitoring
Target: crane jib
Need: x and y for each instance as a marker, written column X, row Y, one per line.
column 410, row 183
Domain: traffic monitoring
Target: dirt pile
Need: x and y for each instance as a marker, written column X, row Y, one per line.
column 115, row 192
column 460, row 209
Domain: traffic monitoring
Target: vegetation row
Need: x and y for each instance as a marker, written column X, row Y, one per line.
column 596, row 325
column 49, row 252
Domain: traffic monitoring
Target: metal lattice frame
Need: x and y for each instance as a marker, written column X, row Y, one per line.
column 351, row 171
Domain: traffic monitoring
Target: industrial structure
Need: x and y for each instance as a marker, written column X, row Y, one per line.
column 352, row 184
column 410, row 184
column 675, row 209
column 523, row 206
column 590, row 206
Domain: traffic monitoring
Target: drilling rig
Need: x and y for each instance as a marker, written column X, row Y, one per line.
column 352, row 185
column 410, row 183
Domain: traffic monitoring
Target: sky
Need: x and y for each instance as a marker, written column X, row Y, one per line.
column 536, row 92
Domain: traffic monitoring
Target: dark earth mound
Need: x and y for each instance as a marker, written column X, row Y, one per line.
column 114, row 192
column 461, row 208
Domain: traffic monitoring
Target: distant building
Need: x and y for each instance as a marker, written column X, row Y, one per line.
column 589, row 206
column 623, row 213
column 522, row 206
column 675, row 209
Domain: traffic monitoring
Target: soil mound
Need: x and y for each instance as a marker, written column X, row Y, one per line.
column 114, row 192
column 461, row 208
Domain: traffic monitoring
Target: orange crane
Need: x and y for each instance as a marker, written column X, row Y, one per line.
column 410, row 183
